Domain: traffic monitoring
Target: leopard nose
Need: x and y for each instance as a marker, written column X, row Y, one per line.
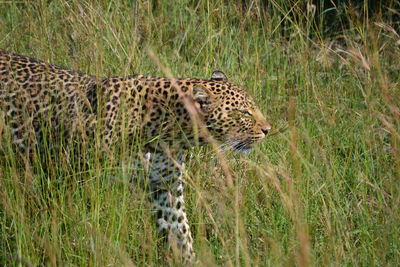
column 265, row 131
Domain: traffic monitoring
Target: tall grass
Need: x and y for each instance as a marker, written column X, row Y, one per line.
column 323, row 189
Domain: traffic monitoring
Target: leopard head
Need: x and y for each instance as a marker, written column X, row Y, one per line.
column 229, row 113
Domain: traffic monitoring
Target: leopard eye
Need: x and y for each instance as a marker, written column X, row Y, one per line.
column 244, row 111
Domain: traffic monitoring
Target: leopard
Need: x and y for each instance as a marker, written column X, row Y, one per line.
column 170, row 115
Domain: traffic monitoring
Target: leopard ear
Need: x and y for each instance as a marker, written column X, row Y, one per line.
column 202, row 98
column 218, row 76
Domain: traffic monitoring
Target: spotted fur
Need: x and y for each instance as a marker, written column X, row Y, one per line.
column 156, row 109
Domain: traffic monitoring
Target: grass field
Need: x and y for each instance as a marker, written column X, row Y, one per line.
column 322, row 190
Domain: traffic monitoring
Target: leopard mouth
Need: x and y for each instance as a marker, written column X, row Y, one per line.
column 239, row 146
column 243, row 146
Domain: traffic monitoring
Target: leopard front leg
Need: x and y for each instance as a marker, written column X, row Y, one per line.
column 169, row 205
